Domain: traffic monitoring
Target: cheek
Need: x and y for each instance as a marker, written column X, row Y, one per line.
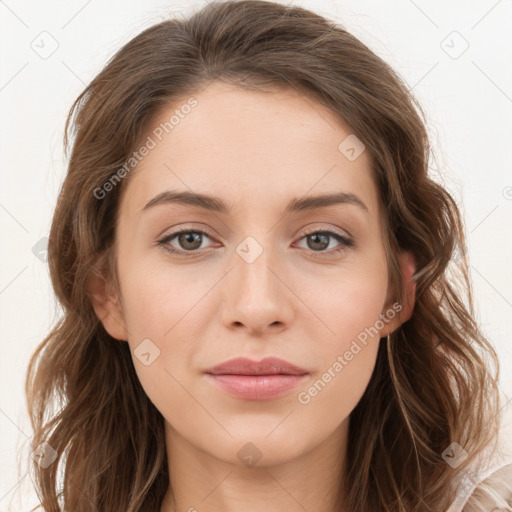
column 351, row 308
column 347, row 357
column 155, row 298
column 163, row 306
column 158, row 310
column 333, row 394
column 347, row 301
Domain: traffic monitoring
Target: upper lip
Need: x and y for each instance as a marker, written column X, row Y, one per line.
column 267, row 366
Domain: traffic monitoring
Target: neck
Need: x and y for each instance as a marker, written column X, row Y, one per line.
column 201, row 482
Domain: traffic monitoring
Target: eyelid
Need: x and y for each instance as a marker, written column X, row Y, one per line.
column 346, row 235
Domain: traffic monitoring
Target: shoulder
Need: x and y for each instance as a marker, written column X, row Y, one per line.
column 490, row 487
column 494, row 493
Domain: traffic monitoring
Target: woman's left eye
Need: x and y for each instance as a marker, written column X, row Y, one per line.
column 320, row 240
column 191, row 240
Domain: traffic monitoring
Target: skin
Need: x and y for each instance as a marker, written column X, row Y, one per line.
column 256, row 151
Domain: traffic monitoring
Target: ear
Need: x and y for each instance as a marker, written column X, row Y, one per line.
column 408, row 267
column 107, row 306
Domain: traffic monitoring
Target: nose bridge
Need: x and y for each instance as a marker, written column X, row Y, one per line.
column 258, row 297
column 255, row 259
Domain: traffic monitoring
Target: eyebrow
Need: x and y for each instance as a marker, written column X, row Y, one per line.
column 215, row 204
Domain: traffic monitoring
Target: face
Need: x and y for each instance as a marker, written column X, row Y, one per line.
column 271, row 274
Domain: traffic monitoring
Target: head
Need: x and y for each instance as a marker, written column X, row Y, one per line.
column 263, row 118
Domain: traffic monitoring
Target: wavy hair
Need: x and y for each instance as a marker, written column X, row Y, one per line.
column 435, row 379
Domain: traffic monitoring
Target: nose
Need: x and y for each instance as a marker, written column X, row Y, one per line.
column 257, row 296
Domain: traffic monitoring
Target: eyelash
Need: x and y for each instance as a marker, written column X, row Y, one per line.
column 344, row 242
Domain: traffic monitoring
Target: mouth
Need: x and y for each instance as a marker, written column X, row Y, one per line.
column 267, row 366
column 256, row 380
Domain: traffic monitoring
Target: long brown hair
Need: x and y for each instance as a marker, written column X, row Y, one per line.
column 435, row 380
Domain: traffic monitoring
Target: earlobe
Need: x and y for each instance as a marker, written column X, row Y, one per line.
column 107, row 306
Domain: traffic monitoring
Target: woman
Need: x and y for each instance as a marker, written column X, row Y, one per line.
column 258, row 306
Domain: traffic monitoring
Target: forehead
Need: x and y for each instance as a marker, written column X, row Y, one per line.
column 250, row 145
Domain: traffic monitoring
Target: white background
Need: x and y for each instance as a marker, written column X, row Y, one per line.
column 468, row 100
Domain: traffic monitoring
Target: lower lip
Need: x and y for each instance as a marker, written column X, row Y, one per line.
column 256, row 387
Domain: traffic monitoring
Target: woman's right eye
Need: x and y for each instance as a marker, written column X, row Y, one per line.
column 189, row 239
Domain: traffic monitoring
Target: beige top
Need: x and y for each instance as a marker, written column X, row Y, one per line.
column 494, row 460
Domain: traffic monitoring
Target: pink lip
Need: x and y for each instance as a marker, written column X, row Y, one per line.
column 256, row 380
